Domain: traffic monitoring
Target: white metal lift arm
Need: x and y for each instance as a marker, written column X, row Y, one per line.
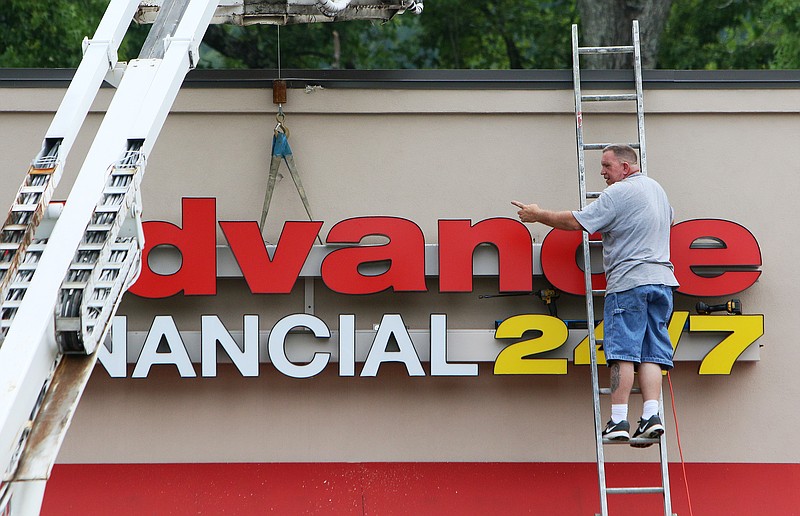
column 137, row 112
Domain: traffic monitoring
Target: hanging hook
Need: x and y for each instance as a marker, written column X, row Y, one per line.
column 280, row 127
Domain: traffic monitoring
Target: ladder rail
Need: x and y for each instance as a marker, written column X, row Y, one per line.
column 576, row 80
column 637, row 69
column 664, row 460
column 590, row 324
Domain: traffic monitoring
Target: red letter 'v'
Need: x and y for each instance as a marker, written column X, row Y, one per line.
column 278, row 274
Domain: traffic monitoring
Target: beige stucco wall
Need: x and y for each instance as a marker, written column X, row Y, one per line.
column 426, row 155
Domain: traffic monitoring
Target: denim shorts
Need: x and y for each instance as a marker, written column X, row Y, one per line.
column 635, row 327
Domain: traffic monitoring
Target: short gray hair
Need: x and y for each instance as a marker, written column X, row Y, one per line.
column 623, row 152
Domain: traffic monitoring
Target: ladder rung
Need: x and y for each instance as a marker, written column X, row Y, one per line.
column 633, row 440
column 607, row 390
column 107, row 208
column 73, row 285
column 98, row 227
column 116, row 190
column 598, row 292
column 123, row 171
column 81, row 266
column 91, row 246
column 25, row 207
column 601, row 146
column 623, row 49
column 33, row 189
column 634, row 490
column 592, row 195
column 15, row 227
column 609, row 97
column 68, row 324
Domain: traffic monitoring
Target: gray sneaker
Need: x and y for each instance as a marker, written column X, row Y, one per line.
column 617, row 431
column 648, row 429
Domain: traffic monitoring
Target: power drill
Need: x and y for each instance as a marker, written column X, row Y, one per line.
column 734, row 307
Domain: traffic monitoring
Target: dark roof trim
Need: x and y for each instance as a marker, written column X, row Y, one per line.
column 442, row 79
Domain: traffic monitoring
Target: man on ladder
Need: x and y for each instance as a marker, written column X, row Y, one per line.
column 634, row 217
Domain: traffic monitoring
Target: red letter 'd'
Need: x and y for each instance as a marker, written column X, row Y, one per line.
column 458, row 240
column 405, row 253
column 279, row 274
column 197, row 242
column 560, row 265
column 736, row 248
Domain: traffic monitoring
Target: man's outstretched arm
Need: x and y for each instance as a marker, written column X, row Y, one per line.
column 555, row 219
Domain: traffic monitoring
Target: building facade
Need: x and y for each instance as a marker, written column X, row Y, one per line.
column 364, row 372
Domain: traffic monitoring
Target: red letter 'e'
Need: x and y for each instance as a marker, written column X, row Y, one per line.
column 736, row 248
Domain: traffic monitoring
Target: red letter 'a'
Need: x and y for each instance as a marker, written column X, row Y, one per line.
column 458, row 240
column 197, row 242
column 560, row 265
column 279, row 274
column 735, row 248
column 405, row 253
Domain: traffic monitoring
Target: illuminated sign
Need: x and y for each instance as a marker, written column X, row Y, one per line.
column 712, row 258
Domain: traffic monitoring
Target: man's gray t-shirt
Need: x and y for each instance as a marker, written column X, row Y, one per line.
column 634, row 217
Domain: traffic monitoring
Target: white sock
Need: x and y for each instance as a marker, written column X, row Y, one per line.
column 619, row 412
column 649, row 409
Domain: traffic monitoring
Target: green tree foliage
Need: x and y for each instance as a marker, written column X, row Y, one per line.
column 44, row 33
column 786, row 32
column 47, row 33
column 732, row 34
column 491, row 34
column 499, row 34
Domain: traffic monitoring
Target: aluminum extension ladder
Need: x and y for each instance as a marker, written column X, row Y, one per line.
column 585, row 196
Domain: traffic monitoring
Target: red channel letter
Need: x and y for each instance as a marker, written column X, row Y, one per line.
column 404, row 253
column 560, row 264
column 276, row 275
column 458, row 240
column 737, row 249
column 196, row 241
